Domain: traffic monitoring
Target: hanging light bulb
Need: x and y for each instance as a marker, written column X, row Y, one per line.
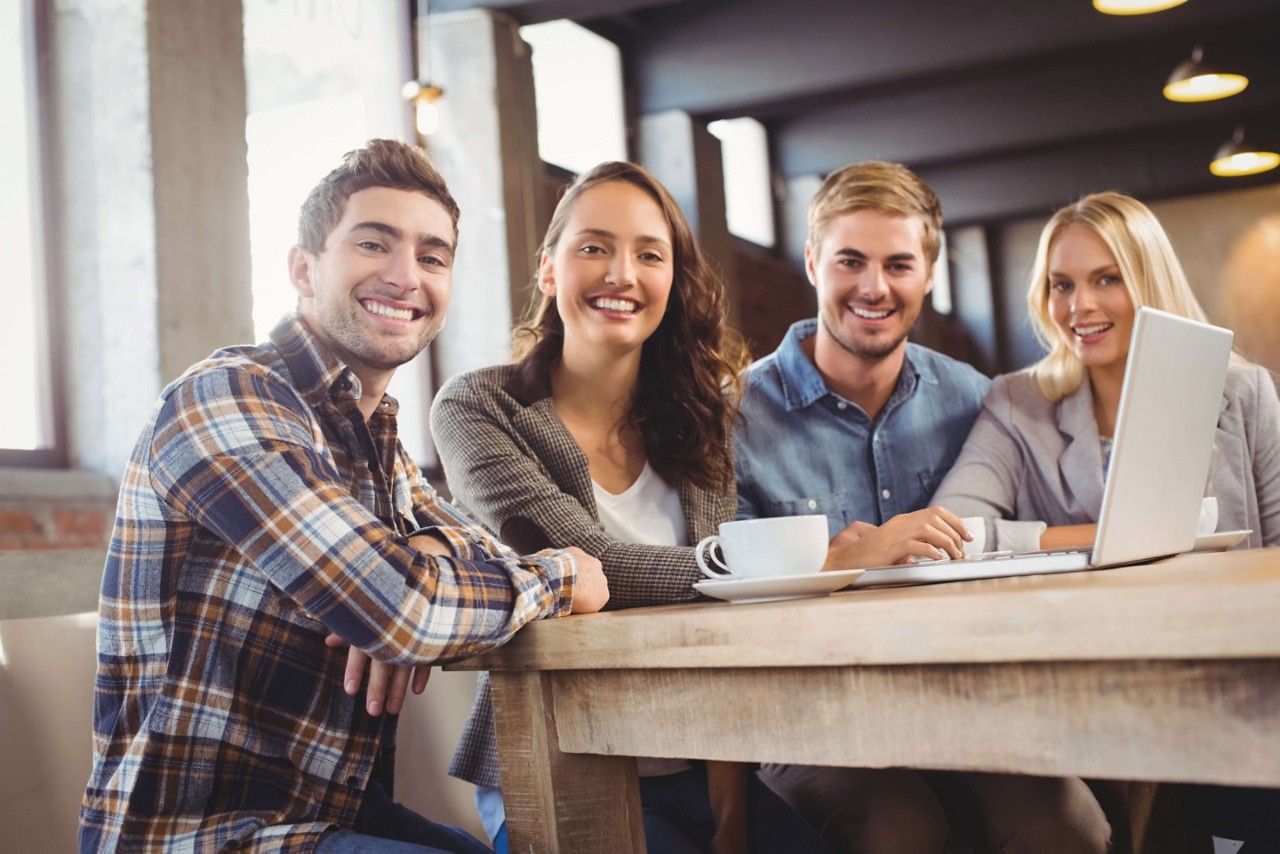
column 1235, row 158
column 426, row 112
column 1196, row 80
column 1134, row 7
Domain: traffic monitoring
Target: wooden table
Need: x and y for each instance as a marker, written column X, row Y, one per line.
column 1169, row 671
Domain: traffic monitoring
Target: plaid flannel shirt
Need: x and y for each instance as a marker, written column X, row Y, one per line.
column 257, row 514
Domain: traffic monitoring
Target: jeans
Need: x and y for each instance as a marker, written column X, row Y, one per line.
column 385, row 827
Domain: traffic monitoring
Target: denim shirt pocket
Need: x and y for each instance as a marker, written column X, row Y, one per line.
column 835, row 506
column 930, row 480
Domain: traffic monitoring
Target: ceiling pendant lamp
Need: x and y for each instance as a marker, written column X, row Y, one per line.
column 1134, row 7
column 1236, row 157
column 1196, row 80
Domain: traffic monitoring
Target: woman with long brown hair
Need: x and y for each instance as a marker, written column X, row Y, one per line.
column 611, row 432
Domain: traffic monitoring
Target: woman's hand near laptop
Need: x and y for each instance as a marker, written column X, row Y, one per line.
column 934, row 533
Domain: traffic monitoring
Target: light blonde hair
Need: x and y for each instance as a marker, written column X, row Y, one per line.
column 889, row 188
column 1148, row 266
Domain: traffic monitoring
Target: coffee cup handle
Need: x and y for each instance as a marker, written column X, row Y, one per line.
column 708, row 543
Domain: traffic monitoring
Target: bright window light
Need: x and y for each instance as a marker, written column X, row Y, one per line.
column 748, row 184
column 941, row 293
column 25, row 421
column 321, row 80
column 577, row 80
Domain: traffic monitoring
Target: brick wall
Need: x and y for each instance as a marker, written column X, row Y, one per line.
column 42, row 510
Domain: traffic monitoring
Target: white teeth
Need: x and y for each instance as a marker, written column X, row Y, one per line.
column 1084, row 331
column 871, row 315
column 614, row 304
column 387, row 311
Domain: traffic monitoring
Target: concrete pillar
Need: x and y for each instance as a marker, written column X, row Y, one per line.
column 794, row 228
column 487, row 149
column 680, row 151
column 152, row 251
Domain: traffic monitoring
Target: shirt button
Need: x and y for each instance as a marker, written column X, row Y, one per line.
column 885, row 493
column 353, row 781
column 842, row 405
column 812, row 504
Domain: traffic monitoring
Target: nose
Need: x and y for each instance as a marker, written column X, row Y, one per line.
column 622, row 270
column 1083, row 299
column 402, row 269
column 875, row 283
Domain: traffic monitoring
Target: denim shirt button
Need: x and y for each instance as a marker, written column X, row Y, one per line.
column 842, row 405
column 885, row 493
column 813, row 504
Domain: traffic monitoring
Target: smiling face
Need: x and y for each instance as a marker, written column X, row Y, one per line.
column 611, row 269
column 872, row 276
column 378, row 292
column 1088, row 300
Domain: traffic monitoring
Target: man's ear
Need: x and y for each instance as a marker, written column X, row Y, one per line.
column 547, row 276
column 933, row 275
column 301, row 271
column 810, row 260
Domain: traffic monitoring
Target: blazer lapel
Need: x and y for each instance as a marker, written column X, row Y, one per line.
column 1080, row 465
column 536, row 420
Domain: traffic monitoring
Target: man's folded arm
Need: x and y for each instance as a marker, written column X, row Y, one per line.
column 249, row 473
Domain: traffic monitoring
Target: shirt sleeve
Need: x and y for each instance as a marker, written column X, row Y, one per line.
column 234, row 450
column 497, row 477
column 984, row 482
column 1265, row 454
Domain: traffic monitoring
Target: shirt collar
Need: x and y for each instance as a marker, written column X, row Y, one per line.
column 802, row 385
column 317, row 371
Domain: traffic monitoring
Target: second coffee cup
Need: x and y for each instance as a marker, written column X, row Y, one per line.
column 761, row 548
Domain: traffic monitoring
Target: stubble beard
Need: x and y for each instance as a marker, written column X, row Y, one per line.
column 875, row 352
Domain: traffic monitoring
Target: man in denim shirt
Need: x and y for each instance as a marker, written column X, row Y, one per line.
column 848, row 419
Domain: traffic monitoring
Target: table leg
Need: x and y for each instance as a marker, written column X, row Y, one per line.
column 559, row 803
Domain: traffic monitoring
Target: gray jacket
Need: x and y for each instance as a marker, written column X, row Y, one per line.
column 1029, row 458
column 514, row 467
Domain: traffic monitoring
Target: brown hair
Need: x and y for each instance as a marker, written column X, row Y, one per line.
column 686, row 397
column 889, row 188
column 380, row 163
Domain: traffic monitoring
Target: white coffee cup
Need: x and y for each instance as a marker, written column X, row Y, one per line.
column 760, row 548
column 1208, row 516
column 977, row 527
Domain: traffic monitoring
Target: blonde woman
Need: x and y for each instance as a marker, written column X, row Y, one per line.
column 1035, row 462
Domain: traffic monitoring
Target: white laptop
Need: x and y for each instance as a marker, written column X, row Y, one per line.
column 1159, row 461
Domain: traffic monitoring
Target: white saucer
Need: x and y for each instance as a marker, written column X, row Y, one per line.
column 1221, row 540
column 743, row 591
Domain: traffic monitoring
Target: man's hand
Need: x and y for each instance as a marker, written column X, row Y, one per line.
column 934, row 533
column 388, row 683
column 591, row 589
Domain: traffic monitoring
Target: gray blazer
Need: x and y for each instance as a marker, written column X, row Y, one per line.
column 1028, row 458
column 515, row 468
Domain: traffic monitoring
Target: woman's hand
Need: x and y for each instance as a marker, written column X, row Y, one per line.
column 934, row 533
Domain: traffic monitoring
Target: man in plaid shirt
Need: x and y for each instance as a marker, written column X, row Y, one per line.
column 268, row 504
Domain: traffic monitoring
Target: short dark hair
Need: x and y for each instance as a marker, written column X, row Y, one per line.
column 380, row 163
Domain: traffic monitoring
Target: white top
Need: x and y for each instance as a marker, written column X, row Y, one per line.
column 647, row 512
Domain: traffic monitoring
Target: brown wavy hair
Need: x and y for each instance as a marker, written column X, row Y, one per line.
column 687, row 394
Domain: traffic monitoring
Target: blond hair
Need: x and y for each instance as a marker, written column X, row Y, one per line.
column 1148, row 266
column 889, row 188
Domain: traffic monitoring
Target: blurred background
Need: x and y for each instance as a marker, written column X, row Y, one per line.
column 155, row 153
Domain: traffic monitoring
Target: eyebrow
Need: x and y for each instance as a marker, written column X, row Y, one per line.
column 1103, row 269
column 850, row 252
column 604, row 232
column 432, row 240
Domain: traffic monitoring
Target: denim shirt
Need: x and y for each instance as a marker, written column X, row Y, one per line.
column 802, row 448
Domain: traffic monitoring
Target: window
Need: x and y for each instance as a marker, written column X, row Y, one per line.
column 321, row 79
column 577, row 80
column 748, row 184
column 29, row 434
